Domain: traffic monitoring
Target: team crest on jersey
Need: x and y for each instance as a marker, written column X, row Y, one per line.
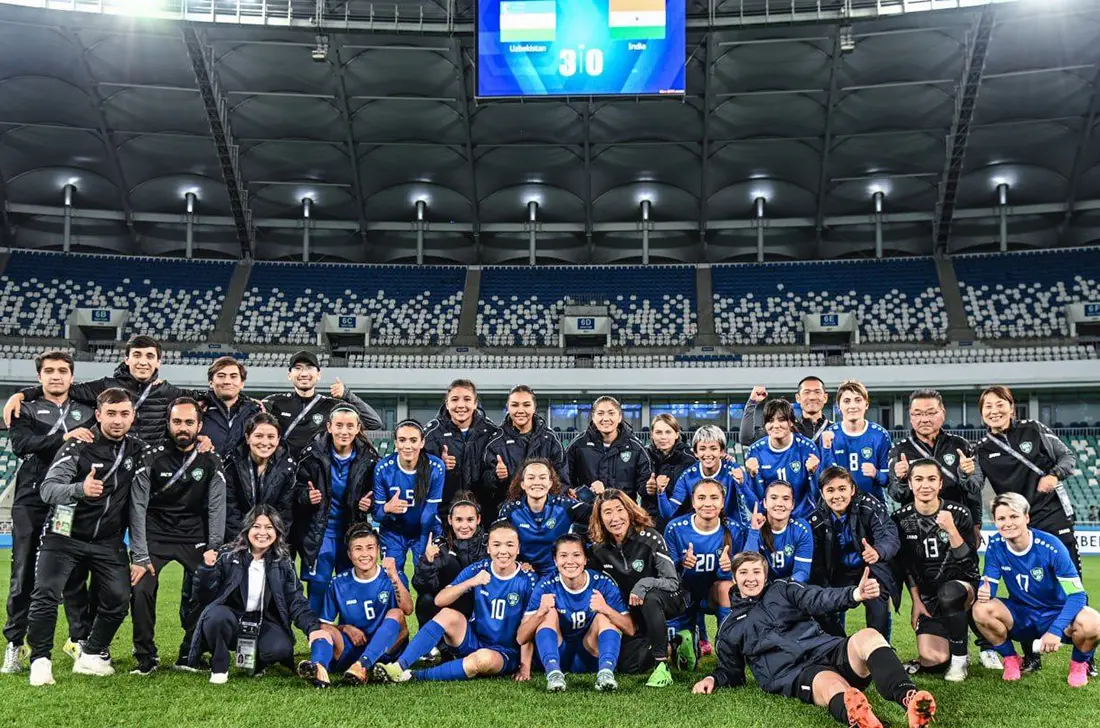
column 1025, row 447
column 75, row 416
column 625, row 456
column 128, row 463
column 513, row 599
column 866, row 453
column 637, row 565
column 196, row 474
column 1037, row 574
column 948, row 459
column 550, row 523
column 384, row 597
column 788, row 550
column 318, row 418
column 796, row 466
column 944, row 538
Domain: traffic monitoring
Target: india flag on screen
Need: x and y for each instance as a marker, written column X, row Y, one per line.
column 529, row 21
column 636, row 19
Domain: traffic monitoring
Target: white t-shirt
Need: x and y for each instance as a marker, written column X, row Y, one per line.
column 256, row 577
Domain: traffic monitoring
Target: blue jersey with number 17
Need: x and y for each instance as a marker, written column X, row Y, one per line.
column 499, row 605
column 1042, row 577
column 850, row 452
column 575, row 613
column 361, row 603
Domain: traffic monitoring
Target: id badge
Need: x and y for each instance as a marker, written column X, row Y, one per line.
column 62, row 523
column 246, row 653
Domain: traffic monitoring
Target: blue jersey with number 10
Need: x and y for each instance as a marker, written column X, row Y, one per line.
column 499, row 605
column 787, row 464
column 361, row 603
column 852, row 451
column 575, row 613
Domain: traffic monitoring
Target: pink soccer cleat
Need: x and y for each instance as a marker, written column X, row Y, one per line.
column 1013, row 667
column 1078, row 674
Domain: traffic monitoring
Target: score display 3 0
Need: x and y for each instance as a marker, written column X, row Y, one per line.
column 532, row 48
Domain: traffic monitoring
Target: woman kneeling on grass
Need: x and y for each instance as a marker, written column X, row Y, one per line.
column 486, row 644
column 772, row 629
column 252, row 596
column 371, row 607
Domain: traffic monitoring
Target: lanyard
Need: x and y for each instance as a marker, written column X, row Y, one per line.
column 60, row 424
column 925, row 454
column 817, row 433
column 114, row 465
column 144, row 395
column 296, row 420
column 1059, row 490
column 179, row 473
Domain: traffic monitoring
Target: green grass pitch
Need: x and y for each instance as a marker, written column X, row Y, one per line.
column 174, row 700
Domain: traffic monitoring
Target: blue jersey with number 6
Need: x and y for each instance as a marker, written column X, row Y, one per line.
column 575, row 613
column 499, row 605
column 362, row 603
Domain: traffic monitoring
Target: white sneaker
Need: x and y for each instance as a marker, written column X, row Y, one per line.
column 990, row 660
column 219, row 678
column 958, row 669
column 13, row 659
column 41, row 672
column 97, row 665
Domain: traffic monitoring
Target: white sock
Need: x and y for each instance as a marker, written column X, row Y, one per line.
column 957, row 660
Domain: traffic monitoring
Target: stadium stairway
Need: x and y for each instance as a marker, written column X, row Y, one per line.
column 223, row 329
column 704, row 296
column 467, row 320
column 958, row 327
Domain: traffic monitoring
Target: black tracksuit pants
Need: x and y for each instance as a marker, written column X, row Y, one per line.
column 143, row 596
column 58, row 557
column 220, row 628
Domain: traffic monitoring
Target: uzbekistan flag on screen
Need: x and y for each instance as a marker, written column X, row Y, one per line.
column 529, row 21
column 636, row 19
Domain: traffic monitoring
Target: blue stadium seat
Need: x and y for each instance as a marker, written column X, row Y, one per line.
column 650, row 305
column 408, row 305
column 1023, row 295
column 169, row 298
column 894, row 300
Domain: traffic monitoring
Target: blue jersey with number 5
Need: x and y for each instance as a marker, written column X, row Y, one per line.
column 499, row 605
column 575, row 613
column 362, row 603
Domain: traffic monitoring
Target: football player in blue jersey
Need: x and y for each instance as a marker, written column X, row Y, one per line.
column 709, row 445
column 784, row 455
column 859, row 446
column 364, row 612
column 787, row 541
column 1046, row 601
column 702, row 545
column 540, row 513
column 577, row 619
column 486, row 643
column 408, row 488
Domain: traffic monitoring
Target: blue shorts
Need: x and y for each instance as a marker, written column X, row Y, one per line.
column 397, row 547
column 332, row 558
column 1029, row 623
column 690, row 615
column 472, row 643
column 574, row 657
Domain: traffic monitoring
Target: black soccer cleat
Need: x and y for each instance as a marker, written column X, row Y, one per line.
column 1032, row 663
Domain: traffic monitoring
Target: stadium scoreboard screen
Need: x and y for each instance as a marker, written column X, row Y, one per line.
column 533, row 48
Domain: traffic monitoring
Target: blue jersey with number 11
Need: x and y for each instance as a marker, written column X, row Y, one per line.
column 787, row 464
column 499, row 605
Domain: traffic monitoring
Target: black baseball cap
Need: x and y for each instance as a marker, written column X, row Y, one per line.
column 304, row 357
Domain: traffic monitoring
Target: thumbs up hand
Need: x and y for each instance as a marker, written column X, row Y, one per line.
column 753, row 466
column 868, row 587
column 870, row 556
column 725, row 562
column 689, row 557
column 651, row 484
column 337, row 389
column 93, row 487
column 901, row 467
column 502, row 469
column 812, row 463
column 448, row 460
column 395, row 504
column 315, row 496
column 966, row 464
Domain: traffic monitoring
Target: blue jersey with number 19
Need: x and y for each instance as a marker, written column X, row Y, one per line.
column 499, row 605
column 361, row 603
column 575, row 613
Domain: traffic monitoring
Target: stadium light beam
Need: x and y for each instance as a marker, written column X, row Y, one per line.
column 646, row 204
column 67, row 238
column 532, row 232
column 1002, row 200
column 190, row 246
column 760, row 202
column 307, row 212
column 421, row 208
column 878, row 198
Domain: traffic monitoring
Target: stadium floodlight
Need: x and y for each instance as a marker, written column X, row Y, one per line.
column 421, row 206
column 878, row 197
column 70, row 188
column 190, row 197
column 1002, row 194
column 307, row 207
column 760, row 202
column 847, row 39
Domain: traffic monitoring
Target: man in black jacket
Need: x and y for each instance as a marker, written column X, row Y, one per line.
column 928, row 440
column 90, row 488
column 811, row 396
column 303, row 412
column 46, row 425
column 227, row 411
column 138, row 375
column 185, row 523
column 772, row 630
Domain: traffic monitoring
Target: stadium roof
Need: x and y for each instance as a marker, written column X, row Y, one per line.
column 777, row 106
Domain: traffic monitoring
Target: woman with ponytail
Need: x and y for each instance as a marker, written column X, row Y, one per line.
column 408, row 487
column 462, row 543
column 787, row 542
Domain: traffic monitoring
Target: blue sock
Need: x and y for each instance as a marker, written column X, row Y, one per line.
column 317, row 596
column 447, row 672
column 701, row 623
column 546, row 642
column 1079, row 656
column 321, row 653
column 1005, row 649
column 381, row 642
column 421, row 644
column 722, row 613
column 609, row 642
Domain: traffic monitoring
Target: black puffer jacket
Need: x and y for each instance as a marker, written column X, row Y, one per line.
column 215, row 585
column 867, row 519
column 225, row 426
column 672, row 465
column 467, row 451
column 276, row 488
column 431, row 577
column 514, row 448
column 151, row 422
column 316, row 466
column 624, row 465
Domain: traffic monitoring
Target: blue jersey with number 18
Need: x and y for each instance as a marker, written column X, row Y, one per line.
column 499, row 605
column 575, row 613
